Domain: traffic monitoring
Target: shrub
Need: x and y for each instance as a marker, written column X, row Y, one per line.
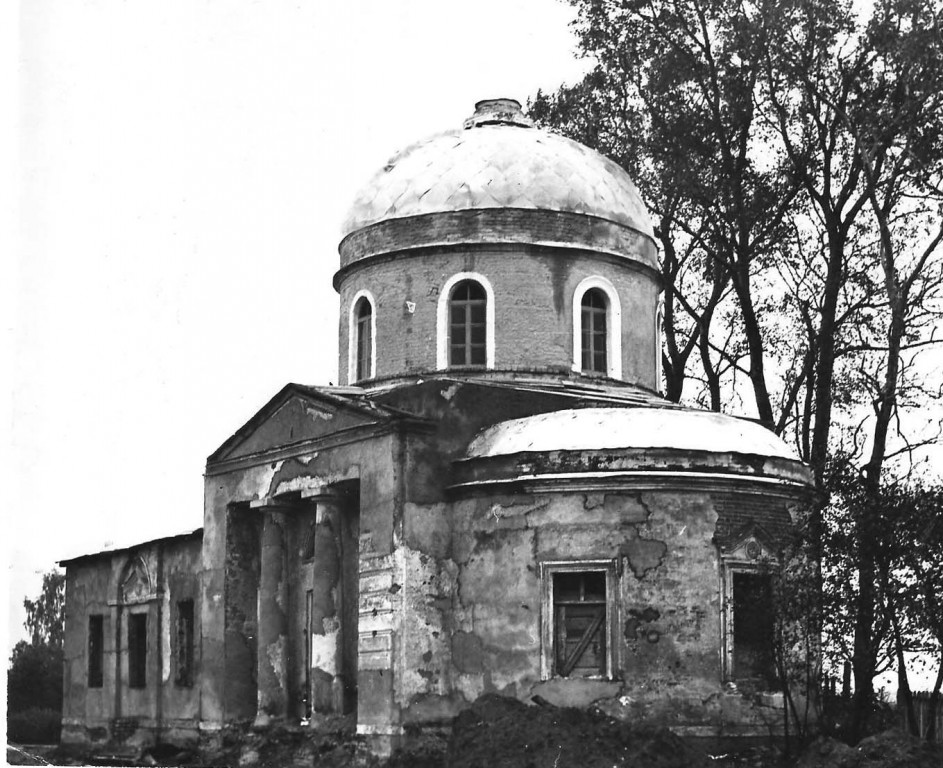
column 34, row 726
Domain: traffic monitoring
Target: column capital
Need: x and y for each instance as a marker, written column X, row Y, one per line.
column 321, row 496
column 272, row 503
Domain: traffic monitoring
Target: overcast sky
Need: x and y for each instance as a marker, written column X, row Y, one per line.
column 184, row 169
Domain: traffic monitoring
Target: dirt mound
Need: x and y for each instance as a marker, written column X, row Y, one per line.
column 890, row 749
column 498, row 732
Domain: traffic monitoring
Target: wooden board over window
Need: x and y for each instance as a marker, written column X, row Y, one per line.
column 579, row 606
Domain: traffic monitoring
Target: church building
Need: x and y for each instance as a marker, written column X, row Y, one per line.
column 495, row 499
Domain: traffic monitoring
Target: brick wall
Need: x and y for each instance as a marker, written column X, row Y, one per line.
column 533, row 294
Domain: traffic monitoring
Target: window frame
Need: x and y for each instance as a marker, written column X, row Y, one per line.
column 185, row 648
column 613, row 326
column 353, row 328
column 443, row 325
column 594, row 314
column 547, row 570
column 730, row 568
column 95, row 670
column 137, row 649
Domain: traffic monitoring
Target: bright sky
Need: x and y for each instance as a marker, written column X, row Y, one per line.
column 184, row 169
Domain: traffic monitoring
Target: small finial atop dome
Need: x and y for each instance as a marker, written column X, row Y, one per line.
column 498, row 112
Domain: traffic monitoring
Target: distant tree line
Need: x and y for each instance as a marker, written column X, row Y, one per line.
column 791, row 154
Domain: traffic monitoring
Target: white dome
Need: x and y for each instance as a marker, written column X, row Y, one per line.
column 585, row 429
column 499, row 160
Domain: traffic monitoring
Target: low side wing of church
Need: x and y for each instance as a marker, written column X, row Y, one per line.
column 496, row 499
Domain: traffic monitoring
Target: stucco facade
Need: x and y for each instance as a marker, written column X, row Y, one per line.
column 497, row 499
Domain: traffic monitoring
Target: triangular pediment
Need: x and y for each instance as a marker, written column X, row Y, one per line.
column 295, row 416
column 751, row 543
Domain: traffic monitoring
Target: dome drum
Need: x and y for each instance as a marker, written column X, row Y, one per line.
column 533, row 296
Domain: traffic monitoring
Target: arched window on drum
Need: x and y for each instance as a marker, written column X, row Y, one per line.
column 597, row 328
column 362, row 357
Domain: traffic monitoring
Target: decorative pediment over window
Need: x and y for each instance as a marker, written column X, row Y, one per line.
column 136, row 585
column 749, row 544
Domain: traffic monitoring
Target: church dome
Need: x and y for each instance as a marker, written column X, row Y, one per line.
column 676, row 429
column 499, row 160
column 635, row 444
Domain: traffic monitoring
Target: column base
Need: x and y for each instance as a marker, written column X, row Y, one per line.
column 381, row 740
column 263, row 721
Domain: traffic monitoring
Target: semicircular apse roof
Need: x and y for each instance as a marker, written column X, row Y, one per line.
column 584, row 429
column 499, row 160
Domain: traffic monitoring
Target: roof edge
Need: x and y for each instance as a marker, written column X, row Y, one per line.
column 194, row 534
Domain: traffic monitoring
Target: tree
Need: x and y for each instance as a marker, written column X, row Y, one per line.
column 45, row 616
column 672, row 100
column 791, row 154
column 34, row 679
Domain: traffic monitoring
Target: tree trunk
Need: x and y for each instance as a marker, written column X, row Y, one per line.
column 754, row 337
column 934, row 703
column 904, row 695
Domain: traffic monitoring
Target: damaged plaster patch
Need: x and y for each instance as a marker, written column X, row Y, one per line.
column 634, row 626
column 516, row 509
column 467, row 653
column 644, row 555
column 324, row 648
column 276, row 657
column 316, row 413
column 629, row 509
column 255, row 481
column 451, row 391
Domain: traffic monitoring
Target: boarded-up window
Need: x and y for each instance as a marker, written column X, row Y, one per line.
column 137, row 650
column 184, row 646
column 579, row 623
column 752, row 626
column 96, row 650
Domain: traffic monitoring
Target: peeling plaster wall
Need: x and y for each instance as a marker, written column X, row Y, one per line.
column 115, row 712
column 232, row 561
column 473, row 600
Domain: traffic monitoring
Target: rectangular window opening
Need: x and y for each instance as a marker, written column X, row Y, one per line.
column 753, row 627
column 96, row 651
column 184, row 676
column 578, row 616
column 137, row 650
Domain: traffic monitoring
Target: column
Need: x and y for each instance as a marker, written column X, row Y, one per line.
column 326, row 633
column 273, row 620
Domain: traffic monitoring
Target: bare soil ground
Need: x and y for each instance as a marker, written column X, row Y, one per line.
column 497, row 732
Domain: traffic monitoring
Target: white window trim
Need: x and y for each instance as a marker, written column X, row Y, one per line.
column 613, row 325
column 442, row 319
column 547, row 570
column 352, row 337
